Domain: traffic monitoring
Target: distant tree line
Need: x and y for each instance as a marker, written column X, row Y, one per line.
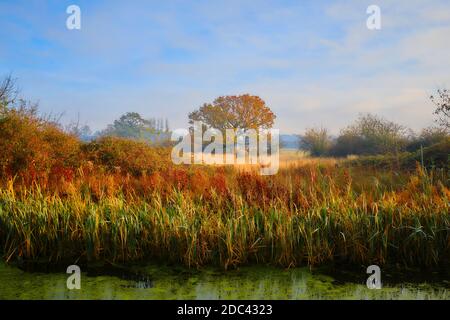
column 130, row 125
column 370, row 135
column 133, row 125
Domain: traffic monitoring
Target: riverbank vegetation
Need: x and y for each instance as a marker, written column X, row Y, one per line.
column 307, row 215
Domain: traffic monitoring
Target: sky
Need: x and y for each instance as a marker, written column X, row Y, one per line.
column 315, row 63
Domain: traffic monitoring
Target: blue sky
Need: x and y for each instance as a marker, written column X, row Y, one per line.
column 314, row 62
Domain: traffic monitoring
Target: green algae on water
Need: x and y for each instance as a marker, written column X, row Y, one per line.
column 157, row 282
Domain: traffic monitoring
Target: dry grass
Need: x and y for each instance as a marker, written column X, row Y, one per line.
column 307, row 214
column 290, row 158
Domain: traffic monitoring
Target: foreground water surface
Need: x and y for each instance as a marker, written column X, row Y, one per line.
column 156, row 282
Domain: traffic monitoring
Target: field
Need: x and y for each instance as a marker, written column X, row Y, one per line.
column 313, row 212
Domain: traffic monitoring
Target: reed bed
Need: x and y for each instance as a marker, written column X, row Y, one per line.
column 305, row 215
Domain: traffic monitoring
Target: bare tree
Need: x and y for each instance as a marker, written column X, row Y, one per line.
column 442, row 103
column 8, row 91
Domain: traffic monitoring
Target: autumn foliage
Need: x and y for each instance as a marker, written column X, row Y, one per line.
column 34, row 148
column 235, row 112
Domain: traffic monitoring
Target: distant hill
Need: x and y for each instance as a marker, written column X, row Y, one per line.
column 289, row 141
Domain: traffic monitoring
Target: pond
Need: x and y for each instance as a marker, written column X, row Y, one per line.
column 255, row 282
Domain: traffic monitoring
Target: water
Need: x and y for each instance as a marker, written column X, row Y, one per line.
column 156, row 282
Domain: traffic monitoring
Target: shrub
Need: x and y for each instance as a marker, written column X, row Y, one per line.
column 435, row 156
column 316, row 141
column 370, row 135
column 124, row 155
column 33, row 147
column 428, row 137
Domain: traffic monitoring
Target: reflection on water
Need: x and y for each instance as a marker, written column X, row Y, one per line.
column 155, row 282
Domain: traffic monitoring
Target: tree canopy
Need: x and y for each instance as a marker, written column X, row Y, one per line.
column 133, row 125
column 371, row 134
column 316, row 140
column 232, row 112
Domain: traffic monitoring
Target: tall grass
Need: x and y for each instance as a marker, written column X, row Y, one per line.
column 116, row 199
column 307, row 215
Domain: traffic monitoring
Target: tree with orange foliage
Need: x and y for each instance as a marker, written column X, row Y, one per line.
column 235, row 112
